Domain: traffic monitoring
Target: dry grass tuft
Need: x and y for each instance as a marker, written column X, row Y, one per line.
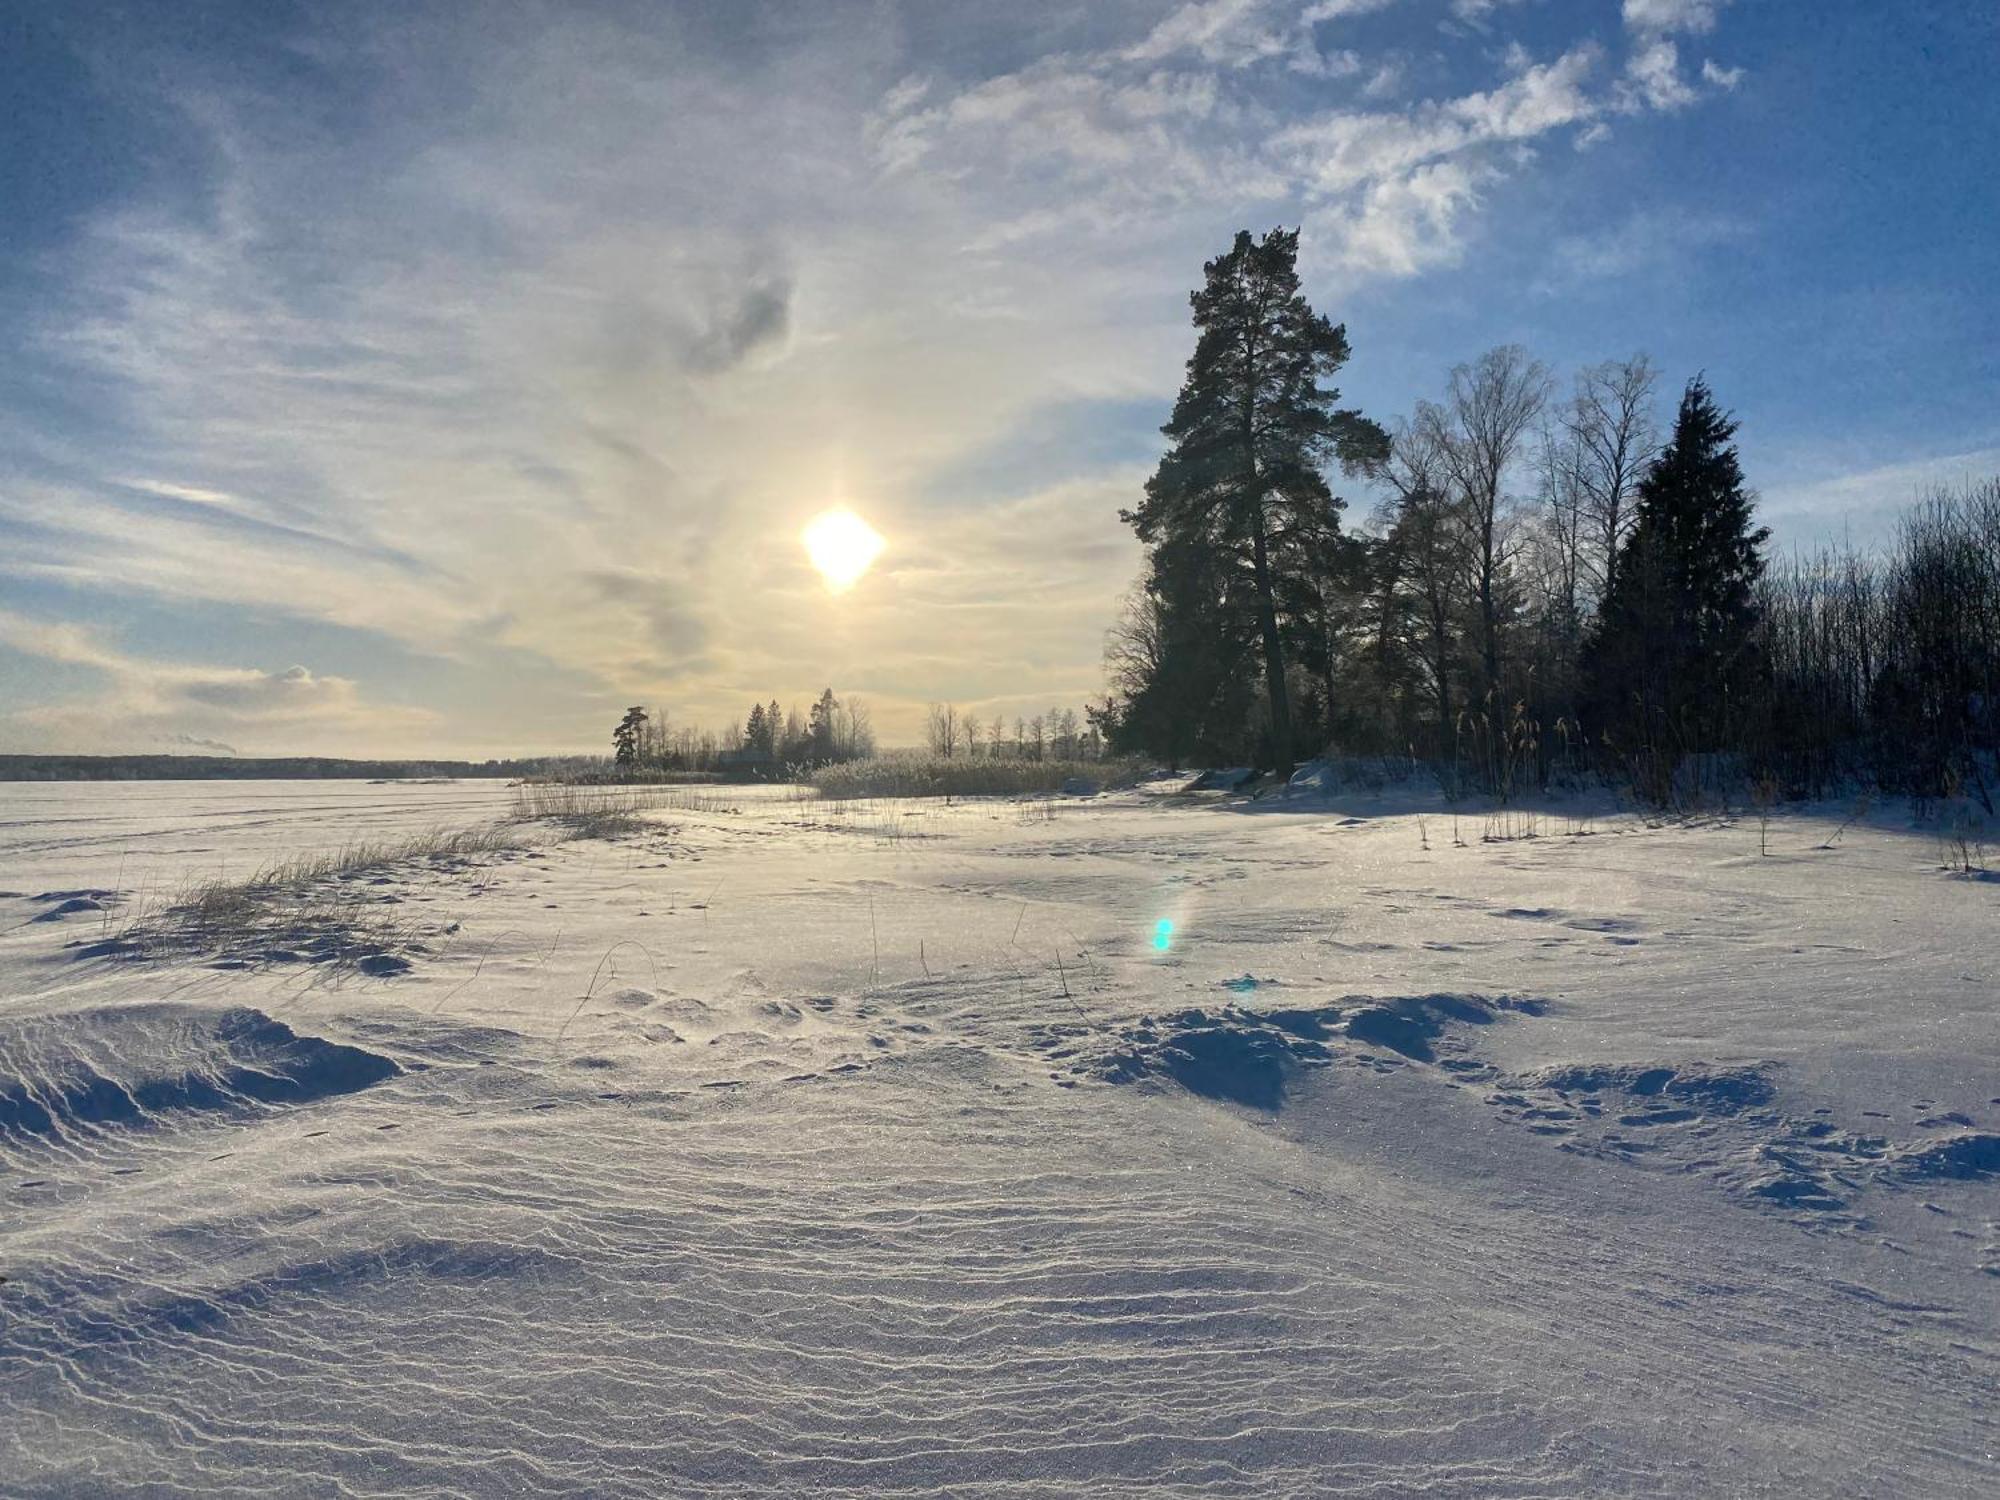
column 324, row 908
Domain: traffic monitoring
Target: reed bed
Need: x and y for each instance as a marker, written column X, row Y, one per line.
column 891, row 776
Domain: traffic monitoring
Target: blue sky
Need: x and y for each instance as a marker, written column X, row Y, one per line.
column 441, row 378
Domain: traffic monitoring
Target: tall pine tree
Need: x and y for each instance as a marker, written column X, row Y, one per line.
column 1240, row 501
column 1672, row 664
column 626, row 738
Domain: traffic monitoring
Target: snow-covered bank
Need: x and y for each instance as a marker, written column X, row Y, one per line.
column 883, row 1151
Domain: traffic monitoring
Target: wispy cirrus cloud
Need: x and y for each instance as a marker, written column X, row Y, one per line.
column 557, row 359
column 1384, row 189
column 138, row 702
column 1645, row 242
column 1846, row 507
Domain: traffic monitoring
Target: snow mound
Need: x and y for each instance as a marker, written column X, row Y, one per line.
column 1221, row 779
column 129, row 1065
column 1961, row 1156
column 1409, row 1024
column 1250, row 1057
column 1723, row 1122
column 76, row 1317
column 1234, row 1056
column 1714, row 1090
column 684, row 1011
column 71, row 906
column 1314, row 776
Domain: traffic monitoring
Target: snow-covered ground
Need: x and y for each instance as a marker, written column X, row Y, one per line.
column 792, row 1149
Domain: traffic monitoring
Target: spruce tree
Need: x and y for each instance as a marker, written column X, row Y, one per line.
column 820, row 733
column 1673, row 660
column 1240, row 501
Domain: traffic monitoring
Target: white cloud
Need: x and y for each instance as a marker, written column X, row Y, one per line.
column 192, row 493
column 1406, row 224
column 1384, row 81
column 1652, row 70
column 1474, row 12
column 1654, row 75
column 1337, row 10
column 1396, row 186
column 1232, row 32
column 1663, row 16
column 1344, row 63
column 1721, row 77
column 1360, row 171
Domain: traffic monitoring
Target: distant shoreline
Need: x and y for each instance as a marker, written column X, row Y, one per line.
column 249, row 768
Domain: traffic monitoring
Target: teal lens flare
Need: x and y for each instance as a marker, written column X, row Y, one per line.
column 1163, row 934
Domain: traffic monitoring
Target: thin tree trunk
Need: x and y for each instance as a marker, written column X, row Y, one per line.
column 1326, row 675
column 1267, row 602
column 1274, row 651
column 1489, row 614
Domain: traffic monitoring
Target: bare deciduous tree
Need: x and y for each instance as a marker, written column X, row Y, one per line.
column 943, row 729
column 1135, row 645
column 1611, row 434
column 1490, row 407
column 1426, row 535
column 1559, row 538
column 854, row 730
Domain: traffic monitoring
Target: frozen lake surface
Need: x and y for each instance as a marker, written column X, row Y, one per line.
column 786, row 1148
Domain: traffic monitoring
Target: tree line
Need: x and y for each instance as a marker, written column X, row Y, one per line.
column 1060, row 734
column 1555, row 581
column 1884, row 668
column 834, row 730
column 830, row 731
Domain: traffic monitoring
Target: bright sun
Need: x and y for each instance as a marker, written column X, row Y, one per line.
column 842, row 546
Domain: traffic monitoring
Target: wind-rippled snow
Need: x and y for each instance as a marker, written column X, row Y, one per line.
column 785, row 1152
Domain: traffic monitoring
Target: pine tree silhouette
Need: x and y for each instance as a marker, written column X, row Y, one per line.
column 625, row 738
column 1240, row 501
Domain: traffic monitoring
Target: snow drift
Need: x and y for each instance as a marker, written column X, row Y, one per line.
column 133, row 1065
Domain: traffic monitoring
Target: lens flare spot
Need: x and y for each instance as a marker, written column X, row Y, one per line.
column 1163, row 934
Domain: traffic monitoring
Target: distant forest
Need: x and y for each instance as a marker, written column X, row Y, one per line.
column 1558, row 583
column 248, row 768
column 831, row 731
column 835, row 730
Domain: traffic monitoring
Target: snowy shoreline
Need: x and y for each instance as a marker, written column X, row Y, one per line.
column 785, row 1150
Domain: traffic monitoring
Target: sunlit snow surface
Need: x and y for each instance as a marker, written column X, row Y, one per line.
column 1155, row 1148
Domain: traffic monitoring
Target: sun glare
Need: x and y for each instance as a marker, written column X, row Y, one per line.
column 843, row 547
